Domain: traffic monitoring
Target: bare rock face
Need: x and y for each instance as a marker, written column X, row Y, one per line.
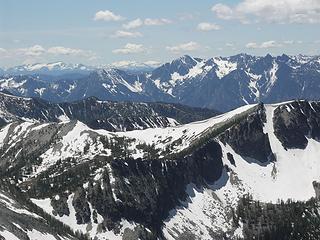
column 137, row 233
column 248, row 139
column 295, row 122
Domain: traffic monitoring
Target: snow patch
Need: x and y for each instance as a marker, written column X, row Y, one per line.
column 224, row 67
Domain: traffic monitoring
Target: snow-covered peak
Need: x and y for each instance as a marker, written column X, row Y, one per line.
column 54, row 68
column 301, row 59
column 134, row 66
column 224, row 66
column 49, row 66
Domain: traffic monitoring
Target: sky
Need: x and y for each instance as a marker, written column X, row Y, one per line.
column 101, row 32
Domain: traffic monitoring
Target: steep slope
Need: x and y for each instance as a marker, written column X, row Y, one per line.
column 113, row 116
column 177, row 182
column 18, row 221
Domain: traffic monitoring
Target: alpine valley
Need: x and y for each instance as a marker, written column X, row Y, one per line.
column 184, row 151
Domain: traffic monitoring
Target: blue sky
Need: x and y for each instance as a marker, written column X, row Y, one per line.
column 111, row 31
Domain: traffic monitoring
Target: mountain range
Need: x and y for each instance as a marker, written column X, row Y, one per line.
column 193, row 149
column 220, row 83
column 219, row 178
column 108, row 115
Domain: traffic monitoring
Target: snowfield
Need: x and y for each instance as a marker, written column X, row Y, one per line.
column 205, row 209
column 289, row 177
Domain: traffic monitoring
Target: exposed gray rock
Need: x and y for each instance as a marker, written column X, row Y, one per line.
column 248, row 139
column 295, row 122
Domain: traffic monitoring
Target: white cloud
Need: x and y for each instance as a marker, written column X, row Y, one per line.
column 147, row 22
column 156, row 21
column 263, row 45
column 190, row 46
column 223, row 11
column 252, row 45
column 126, row 34
column 107, row 16
column 65, row 51
column 121, row 64
column 130, row 48
column 153, row 63
column 39, row 51
column 34, row 51
column 187, row 16
column 205, row 26
column 230, row 44
column 133, row 24
column 288, row 42
column 280, row 11
column 2, row 50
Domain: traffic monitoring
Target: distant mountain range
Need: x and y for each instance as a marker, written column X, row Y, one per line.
column 221, row 83
column 61, row 68
column 55, row 68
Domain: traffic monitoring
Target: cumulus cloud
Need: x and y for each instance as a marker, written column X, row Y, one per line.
column 133, row 24
column 130, row 48
column 156, row 21
column 107, row 16
column 38, row 51
column 205, row 26
column 263, row 45
column 280, row 11
column 126, row 34
column 147, row 22
column 34, row 51
column 223, row 11
column 65, row 51
column 189, row 46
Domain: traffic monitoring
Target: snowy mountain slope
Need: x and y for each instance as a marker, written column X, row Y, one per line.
column 69, row 139
column 113, row 116
column 221, row 83
column 210, row 207
column 182, row 181
column 135, row 67
column 20, row 222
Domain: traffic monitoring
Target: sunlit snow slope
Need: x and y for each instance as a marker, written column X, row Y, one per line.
column 189, row 187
